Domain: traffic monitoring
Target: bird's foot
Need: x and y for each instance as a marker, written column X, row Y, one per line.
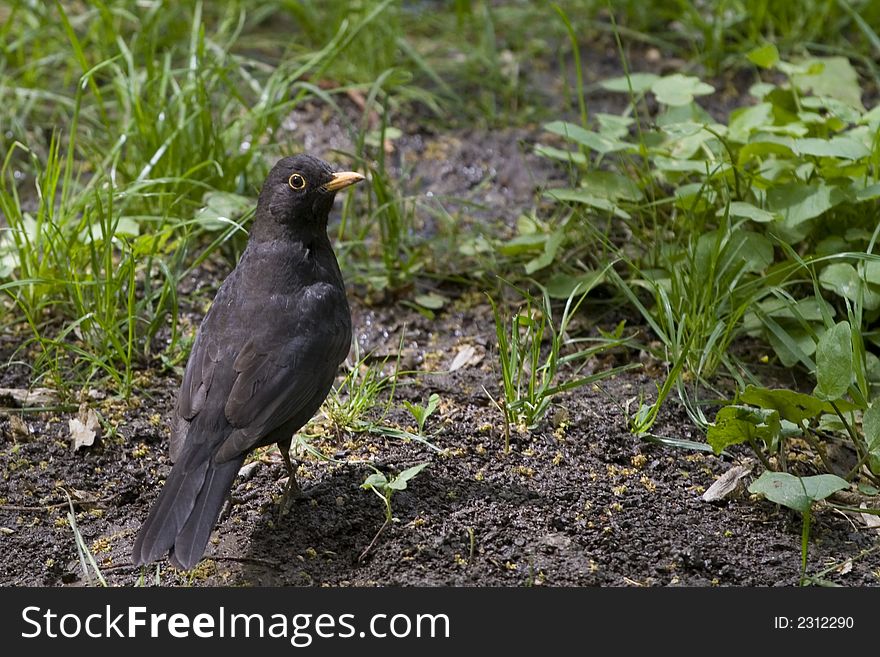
column 227, row 508
column 292, row 492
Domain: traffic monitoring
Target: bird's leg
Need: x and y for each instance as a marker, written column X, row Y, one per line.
column 292, row 490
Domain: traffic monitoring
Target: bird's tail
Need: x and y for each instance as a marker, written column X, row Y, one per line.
column 182, row 517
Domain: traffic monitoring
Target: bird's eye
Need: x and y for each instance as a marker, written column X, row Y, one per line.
column 296, row 181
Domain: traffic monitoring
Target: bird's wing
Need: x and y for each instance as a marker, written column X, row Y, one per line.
column 198, row 378
column 278, row 378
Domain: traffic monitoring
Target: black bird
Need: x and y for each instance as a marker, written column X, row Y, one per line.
column 264, row 357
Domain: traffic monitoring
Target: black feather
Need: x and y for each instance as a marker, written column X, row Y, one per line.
column 263, row 360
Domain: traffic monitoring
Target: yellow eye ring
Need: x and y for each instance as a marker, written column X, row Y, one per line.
column 296, row 182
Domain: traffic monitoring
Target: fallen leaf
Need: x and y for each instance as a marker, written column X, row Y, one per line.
column 19, row 427
column 467, row 356
column 84, row 428
column 726, row 484
column 845, row 567
column 870, row 519
column 32, row 397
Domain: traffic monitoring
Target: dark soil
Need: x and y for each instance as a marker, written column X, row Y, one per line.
column 579, row 501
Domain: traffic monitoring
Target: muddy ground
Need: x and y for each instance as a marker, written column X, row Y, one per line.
column 579, row 501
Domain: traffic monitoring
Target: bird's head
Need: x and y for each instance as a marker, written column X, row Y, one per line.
column 299, row 191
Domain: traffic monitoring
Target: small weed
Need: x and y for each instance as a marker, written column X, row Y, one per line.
column 529, row 373
column 422, row 413
column 350, row 405
column 86, row 558
column 385, row 488
column 798, row 493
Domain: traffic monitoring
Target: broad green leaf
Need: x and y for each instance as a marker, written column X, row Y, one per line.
column 835, row 114
column 430, row 300
column 731, row 431
column 523, row 244
column 614, row 126
column 671, row 164
column 613, row 186
column 763, row 147
column 760, row 89
column 764, row 56
column 562, row 286
column 831, row 76
column 872, row 272
column 221, row 209
column 551, row 246
column 868, row 193
column 375, row 480
column 684, row 140
column 834, row 362
column 559, row 154
column 638, row 82
column 417, row 411
column 792, row 406
column 799, row 202
column 871, row 431
column 871, row 118
column 94, row 230
column 695, row 197
column 754, row 250
column 740, row 209
column 582, row 196
column 433, row 403
column 592, row 140
column 678, row 89
column 871, row 428
column 842, row 147
column 399, row 482
column 736, row 424
column 796, row 493
column 744, row 121
column 690, row 113
column 843, row 279
column 795, row 346
column 807, row 309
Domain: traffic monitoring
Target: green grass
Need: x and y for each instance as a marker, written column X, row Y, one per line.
column 135, row 136
column 163, row 120
column 532, row 375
